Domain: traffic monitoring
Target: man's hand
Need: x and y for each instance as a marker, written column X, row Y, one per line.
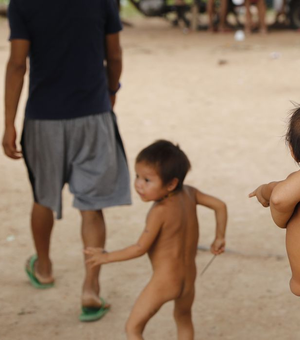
column 218, row 246
column 258, row 194
column 96, row 256
column 9, row 143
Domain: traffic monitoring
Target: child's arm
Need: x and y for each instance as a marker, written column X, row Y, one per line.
column 282, row 196
column 284, row 199
column 98, row 256
column 263, row 193
column 218, row 246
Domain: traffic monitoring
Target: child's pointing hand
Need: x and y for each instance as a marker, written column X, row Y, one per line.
column 96, row 256
column 258, row 194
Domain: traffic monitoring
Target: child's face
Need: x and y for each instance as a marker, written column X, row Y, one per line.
column 148, row 184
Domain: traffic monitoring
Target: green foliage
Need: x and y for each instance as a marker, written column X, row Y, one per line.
column 4, row 2
column 127, row 9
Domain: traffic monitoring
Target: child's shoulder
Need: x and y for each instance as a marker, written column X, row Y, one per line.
column 295, row 174
column 189, row 190
column 157, row 208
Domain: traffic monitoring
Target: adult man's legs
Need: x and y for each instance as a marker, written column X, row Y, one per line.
column 93, row 235
column 41, row 227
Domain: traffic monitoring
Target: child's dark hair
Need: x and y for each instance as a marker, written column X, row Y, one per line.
column 168, row 159
column 293, row 133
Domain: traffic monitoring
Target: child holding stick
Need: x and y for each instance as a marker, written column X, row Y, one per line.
column 170, row 237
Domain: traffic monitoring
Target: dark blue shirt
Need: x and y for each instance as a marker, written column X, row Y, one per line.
column 67, row 39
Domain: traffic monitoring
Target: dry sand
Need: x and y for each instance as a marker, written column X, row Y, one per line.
column 230, row 120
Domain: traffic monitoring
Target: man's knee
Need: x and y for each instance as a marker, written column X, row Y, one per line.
column 295, row 287
column 91, row 215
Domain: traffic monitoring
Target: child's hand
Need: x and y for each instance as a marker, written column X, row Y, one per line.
column 96, row 256
column 258, row 194
column 218, row 246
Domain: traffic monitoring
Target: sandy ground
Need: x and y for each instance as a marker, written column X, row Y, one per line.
column 230, row 120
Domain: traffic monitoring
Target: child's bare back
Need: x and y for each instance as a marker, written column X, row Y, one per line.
column 173, row 253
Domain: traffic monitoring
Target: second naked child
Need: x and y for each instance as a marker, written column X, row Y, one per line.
column 283, row 198
column 170, row 237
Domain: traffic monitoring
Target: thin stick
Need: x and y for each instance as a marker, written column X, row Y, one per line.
column 209, row 263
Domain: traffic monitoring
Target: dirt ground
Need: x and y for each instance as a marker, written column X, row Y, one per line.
column 226, row 104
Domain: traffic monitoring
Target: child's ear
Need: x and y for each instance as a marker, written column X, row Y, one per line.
column 173, row 184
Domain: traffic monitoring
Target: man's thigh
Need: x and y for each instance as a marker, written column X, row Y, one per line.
column 83, row 152
column 44, row 157
column 98, row 174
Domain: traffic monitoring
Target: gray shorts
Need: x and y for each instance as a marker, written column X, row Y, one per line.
column 87, row 153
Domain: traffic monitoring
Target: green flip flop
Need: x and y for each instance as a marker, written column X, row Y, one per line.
column 93, row 313
column 32, row 278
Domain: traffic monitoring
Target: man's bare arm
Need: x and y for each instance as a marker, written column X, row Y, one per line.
column 15, row 71
column 114, row 63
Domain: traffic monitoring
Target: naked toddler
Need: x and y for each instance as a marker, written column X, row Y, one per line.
column 170, row 237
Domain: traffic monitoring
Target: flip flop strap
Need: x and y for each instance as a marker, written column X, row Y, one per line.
column 32, row 261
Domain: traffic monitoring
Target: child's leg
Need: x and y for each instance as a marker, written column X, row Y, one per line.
column 293, row 250
column 93, row 235
column 183, row 316
column 154, row 295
